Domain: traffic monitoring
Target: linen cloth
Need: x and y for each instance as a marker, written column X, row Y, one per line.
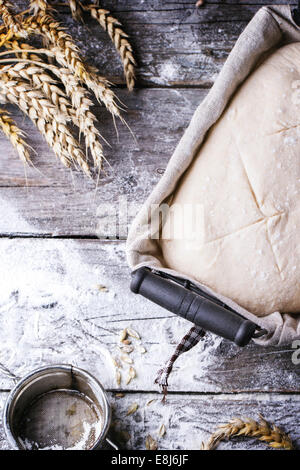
column 271, row 27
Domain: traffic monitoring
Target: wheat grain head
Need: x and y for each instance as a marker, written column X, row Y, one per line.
column 41, row 80
column 15, row 135
column 76, row 9
column 47, row 118
column 67, row 54
column 39, row 5
column 78, row 110
column 264, row 431
column 85, row 118
column 74, row 104
column 120, row 40
column 10, row 22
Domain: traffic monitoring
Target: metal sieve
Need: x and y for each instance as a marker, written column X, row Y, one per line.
column 59, row 407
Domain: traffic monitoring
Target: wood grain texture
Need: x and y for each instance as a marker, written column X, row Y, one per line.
column 53, row 305
column 175, row 43
column 189, row 422
column 174, row 47
column 59, row 202
column 52, row 311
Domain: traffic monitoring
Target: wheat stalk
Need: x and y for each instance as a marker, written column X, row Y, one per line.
column 14, row 134
column 119, row 38
column 47, row 118
column 17, row 47
column 264, row 431
column 66, row 54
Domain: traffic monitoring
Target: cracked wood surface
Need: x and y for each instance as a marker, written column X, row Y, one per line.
column 175, row 43
column 190, row 421
column 52, row 306
column 58, row 202
column 51, row 311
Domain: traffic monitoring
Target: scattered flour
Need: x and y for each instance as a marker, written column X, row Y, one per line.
column 51, row 311
column 168, row 72
column 11, row 222
column 289, row 140
column 47, row 290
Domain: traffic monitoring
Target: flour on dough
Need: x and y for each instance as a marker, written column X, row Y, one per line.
column 246, row 176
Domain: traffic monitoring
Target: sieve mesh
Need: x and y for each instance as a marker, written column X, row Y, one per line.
column 60, row 420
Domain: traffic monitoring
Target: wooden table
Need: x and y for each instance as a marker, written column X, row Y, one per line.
column 52, row 263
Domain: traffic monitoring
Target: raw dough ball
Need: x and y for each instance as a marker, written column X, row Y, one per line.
column 246, row 181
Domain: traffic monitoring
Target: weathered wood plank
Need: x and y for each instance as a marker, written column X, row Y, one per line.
column 175, row 43
column 51, row 308
column 175, row 47
column 189, row 422
column 52, row 204
column 52, row 311
column 224, row 368
column 162, row 5
column 158, row 5
column 169, row 5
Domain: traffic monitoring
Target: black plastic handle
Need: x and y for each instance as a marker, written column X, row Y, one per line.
column 193, row 307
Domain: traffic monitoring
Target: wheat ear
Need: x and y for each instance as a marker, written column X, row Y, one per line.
column 81, row 114
column 8, row 19
column 77, row 109
column 39, row 5
column 85, row 118
column 119, row 38
column 76, row 9
column 14, row 134
column 67, row 55
column 264, row 431
column 49, row 121
column 41, row 80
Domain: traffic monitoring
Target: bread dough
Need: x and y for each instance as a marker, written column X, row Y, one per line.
column 246, row 180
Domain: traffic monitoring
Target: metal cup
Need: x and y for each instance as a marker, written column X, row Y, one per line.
column 57, row 407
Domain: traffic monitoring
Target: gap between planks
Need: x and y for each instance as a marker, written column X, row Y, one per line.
column 50, row 236
column 175, row 393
